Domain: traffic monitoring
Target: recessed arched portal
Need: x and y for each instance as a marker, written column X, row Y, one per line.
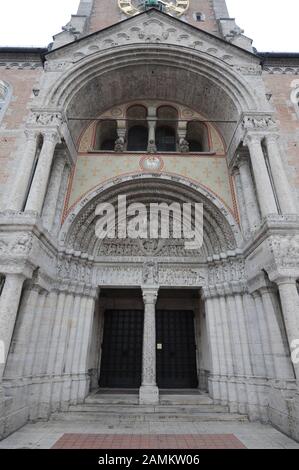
column 154, row 72
column 125, row 268
column 191, row 77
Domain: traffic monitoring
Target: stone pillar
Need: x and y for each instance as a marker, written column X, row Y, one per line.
column 251, row 205
column 266, row 346
column 51, row 201
column 149, row 393
column 217, row 308
column 60, row 202
column 214, row 386
column 241, row 203
column 262, row 180
column 290, row 308
column 85, row 349
column 23, row 175
column 281, row 182
column 282, row 363
column 120, row 143
column 39, row 185
column 152, row 121
column 9, row 304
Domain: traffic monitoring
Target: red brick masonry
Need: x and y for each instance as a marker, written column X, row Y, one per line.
column 148, row 441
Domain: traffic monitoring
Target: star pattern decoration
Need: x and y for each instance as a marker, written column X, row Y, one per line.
column 210, row 171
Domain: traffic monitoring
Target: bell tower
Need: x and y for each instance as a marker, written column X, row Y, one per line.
column 100, row 14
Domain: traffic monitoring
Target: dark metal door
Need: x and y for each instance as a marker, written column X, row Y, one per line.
column 176, row 349
column 121, row 361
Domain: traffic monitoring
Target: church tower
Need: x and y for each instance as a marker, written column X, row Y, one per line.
column 208, row 15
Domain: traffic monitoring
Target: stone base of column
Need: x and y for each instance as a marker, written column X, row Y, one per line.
column 148, row 395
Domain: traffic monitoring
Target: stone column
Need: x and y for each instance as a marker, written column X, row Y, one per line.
column 61, row 199
column 251, row 204
column 262, row 180
column 149, row 393
column 241, row 202
column 9, row 304
column 214, row 385
column 24, row 170
column 282, row 363
column 51, row 201
column 152, row 121
column 39, row 185
column 281, row 182
column 290, row 308
column 266, row 346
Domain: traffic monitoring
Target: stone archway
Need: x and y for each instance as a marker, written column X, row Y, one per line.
column 151, row 265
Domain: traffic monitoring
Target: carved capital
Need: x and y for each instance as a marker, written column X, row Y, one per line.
column 45, row 118
column 31, row 135
column 259, row 123
column 150, row 296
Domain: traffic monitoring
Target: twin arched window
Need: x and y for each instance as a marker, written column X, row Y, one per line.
column 151, row 129
column 4, row 97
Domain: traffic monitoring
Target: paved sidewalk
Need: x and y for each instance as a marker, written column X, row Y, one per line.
column 45, row 435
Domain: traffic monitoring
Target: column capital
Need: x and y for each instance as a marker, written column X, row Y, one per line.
column 272, row 138
column 31, row 134
column 150, row 295
column 253, row 138
column 51, row 135
column 286, row 280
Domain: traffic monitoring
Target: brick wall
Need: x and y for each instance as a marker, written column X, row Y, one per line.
column 22, row 82
column 280, row 86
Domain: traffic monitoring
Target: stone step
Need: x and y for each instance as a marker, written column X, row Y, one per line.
column 114, row 399
column 165, row 399
column 123, row 419
column 185, row 399
column 141, row 409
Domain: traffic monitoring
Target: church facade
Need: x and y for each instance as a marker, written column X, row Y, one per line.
column 165, row 102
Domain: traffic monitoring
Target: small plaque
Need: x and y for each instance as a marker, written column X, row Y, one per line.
column 159, row 346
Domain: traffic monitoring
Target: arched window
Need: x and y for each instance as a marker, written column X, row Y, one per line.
column 4, row 97
column 137, row 128
column 166, row 130
column 197, row 137
column 106, row 135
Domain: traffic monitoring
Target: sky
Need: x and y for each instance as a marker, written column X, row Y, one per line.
column 33, row 22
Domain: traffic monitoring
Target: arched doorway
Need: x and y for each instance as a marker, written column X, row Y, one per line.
column 124, row 269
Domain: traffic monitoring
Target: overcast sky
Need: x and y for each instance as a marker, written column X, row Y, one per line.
column 33, row 22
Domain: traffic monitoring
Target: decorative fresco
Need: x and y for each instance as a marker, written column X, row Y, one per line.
column 93, row 167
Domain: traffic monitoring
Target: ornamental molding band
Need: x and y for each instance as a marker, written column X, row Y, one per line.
column 281, row 70
column 15, row 65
